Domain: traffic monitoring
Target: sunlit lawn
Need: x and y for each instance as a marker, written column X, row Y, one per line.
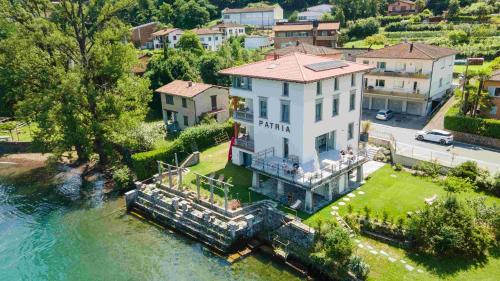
column 23, row 134
column 461, row 68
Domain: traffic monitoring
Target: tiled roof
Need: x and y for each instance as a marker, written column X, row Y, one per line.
column 183, row 88
column 205, row 31
column 328, row 25
column 305, row 48
column 293, row 68
column 227, row 24
column 306, row 26
column 410, row 51
column 404, row 1
column 248, row 10
column 164, row 31
column 495, row 76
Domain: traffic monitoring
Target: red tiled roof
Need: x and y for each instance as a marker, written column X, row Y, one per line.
column 164, row 31
column 227, row 24
column 306, row 49
column 328, row 26
column 205, row 31
column 306, row 26
column 293, row 68
column 406, row 51
column 183, row 89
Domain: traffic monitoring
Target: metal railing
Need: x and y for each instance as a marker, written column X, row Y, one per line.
column 400, row 73
column 391, row 92
column 243, row 115
column 245, row 143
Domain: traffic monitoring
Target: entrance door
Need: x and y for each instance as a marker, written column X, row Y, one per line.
column 247, row 159
column 213, row 100
column 322, row 143
column 415, row 84
column 285, row 148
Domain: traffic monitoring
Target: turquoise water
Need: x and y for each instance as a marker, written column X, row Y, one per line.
column 69, row 231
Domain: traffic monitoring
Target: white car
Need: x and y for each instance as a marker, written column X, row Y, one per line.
column 440, row 136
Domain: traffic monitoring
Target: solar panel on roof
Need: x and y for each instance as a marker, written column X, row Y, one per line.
column 326, row 65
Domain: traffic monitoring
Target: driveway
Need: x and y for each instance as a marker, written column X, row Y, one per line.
column 403, row 129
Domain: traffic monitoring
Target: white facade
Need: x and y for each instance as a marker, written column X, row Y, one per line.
column 257, row 42
column 406, row 85
column 255, row 17
column 233, row 31
column 315, row 12
column 172, row 38
column 211, row 42
column 302, row 129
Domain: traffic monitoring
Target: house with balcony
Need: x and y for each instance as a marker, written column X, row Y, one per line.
column 492, row 85
column 315, row 12
column 401, row 7
column 142, row 35
column 305, row 48
column 230, row 29
column 411, row 78
column 166, row 37
column 262, row 17
column 211, row 39
column 314, row 33
column 186, row 103
column 297, row 124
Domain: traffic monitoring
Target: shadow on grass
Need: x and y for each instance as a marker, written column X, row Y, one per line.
column 448, row 267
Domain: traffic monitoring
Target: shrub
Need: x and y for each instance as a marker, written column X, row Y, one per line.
column 122, row 176
column 397, row 167
column 468, row 170
column 144, row 136
column 363, row 28
column 430, row 169
column 358, row 267
column 194, row 138
column 454, row 184
column 454, row 121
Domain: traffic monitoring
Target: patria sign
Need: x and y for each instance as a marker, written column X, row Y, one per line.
column 276, row 126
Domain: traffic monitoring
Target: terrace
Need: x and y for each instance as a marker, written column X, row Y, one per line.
column 417, row 95
column 404, row 74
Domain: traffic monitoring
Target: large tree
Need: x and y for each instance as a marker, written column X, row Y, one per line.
column 82, row 94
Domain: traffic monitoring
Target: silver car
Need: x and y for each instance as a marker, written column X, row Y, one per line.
column 384, row 114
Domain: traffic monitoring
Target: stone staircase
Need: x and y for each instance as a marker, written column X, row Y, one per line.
column 372, row 151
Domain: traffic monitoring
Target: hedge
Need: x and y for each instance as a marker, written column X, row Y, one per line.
column 478, row 126
column 404, row 26
column 194, row 138
column 385, row 20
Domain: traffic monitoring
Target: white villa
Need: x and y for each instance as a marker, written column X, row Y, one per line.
column 168, row 35
column 409, row 77
column 230, row 29
column 315, row 12
column 211, row 39
column 264, row 17
column 297, row 122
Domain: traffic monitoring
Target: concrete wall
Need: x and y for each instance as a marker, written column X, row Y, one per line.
column 476, row 139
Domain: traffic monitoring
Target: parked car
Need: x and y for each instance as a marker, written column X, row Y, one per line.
column 384, row 114
column 440, row 136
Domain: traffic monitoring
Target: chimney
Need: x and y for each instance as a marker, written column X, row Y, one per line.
column 411, row 47
column 190, row 83
column 315, row 24
column 275, row 56
column 297, row 43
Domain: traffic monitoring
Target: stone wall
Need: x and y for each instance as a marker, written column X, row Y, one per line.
column 476, row 139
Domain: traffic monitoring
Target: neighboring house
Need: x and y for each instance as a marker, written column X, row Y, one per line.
column 263, row 17
column 315, row 33
column 305, row 48
column 492, row 85
column 401, row 7
column 229, row 29
column 142, row 35
column 315, row 12
column 210, row 39
column 140, row 68
column 258, row 42
column 184, row 103
column 293, row 117
column 410, row 77
column 167, row 35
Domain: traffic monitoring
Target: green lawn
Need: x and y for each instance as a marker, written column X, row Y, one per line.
column 461, row 68
column 24, row 134
column 396, row 193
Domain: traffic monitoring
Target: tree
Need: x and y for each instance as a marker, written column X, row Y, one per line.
column 457, row 37
column 190, row 42
column 294, row 17
column 363, row 28
column 338, row 15
column 191, row 14
column 327, row 17
column 166, row 13
column 453, row 9
column 210, row 65
column 376, row 39
column 85, row 96
column 480, row 9
column 419, row 5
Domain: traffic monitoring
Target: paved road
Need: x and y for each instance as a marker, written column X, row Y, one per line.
column 404, row 128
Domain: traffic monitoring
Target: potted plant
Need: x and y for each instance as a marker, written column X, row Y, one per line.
column 365, row 128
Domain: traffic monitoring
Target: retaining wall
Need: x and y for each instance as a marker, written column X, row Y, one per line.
column 476, row 139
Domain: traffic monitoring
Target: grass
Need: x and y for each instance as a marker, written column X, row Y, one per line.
column 395, row 193
column 22, row 134
column 461, row 68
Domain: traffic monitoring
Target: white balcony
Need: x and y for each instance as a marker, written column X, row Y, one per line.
column 244, row 115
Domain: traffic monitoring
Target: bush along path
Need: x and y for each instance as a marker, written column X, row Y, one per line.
column 365, row 245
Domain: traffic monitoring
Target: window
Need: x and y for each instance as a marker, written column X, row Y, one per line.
column 209, row 38
column 285, row 148
column 285, row 89
column 352, row 101
column 319, row 110
column 440, row 82
column 216, row 38
column 169, row 99
column 175, row 37
column 241, row 30
column 353, row 79
column 400, row 66
column 318, row 88
column 186, row 123
column 381, row 64
column 184, row 102
column 336, row 84
column 202, row 39
column 493, row 110
column 350, row 131
column 242, row 82
column 321, row 143
column 497, row 92
column 335, row 106
column 380, row 83
column 366, row 62
column 213, row 101
column 285, row 111
column 399, row 84
column 263, row 107
column 226, row 17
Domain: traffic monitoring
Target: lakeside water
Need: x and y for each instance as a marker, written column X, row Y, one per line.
column 69, row 231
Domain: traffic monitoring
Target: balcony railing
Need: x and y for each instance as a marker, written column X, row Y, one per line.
column 243, row 115
column 401, row 73
column 416, row 95
column 245, row 143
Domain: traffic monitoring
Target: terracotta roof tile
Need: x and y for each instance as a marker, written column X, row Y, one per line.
column 293, row 68
column 305, row 48
column 205, row 31
column 164, row 31
column 406, row 51
column 227, row 24
column 306, row 26
column 328, row 26
column 183, row 88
